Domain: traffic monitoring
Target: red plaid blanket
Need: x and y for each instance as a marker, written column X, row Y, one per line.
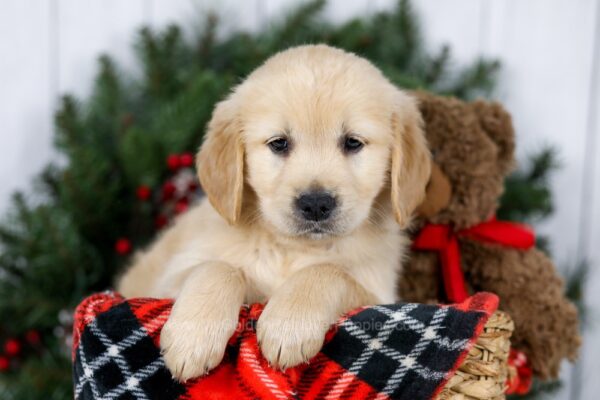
column 396, row 351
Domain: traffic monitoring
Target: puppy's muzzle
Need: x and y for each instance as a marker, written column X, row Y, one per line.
column 315, row 205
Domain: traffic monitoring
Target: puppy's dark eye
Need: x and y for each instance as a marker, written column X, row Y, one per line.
column 352, row 144
column 279, row 146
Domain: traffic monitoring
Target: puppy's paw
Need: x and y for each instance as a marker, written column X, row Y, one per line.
column 288, row 338
column 192, row 348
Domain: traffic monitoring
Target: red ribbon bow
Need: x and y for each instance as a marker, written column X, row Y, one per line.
column 520, row 383
column 442, row 239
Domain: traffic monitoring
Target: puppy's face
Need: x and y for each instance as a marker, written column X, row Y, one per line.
column 319, row 134
column 317, row 155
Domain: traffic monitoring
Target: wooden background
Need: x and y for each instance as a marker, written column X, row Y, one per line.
column 550, row 51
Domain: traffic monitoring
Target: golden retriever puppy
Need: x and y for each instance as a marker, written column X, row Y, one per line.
column 311, row 167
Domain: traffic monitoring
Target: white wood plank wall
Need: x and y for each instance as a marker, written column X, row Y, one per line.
column 550, row 50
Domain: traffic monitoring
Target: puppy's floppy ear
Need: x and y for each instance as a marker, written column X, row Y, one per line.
column 410, row 160
column 496, row 122
column 220, row 162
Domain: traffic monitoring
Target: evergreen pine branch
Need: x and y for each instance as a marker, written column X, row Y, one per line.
column 576, row 278
column 475, row 81
column 406, row 23
column 298, row 26
column 207, row 39
column 438, row 66
column 527, row 196
column 69, row 125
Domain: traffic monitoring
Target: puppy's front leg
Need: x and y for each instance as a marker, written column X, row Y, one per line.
column 294, row 322
column 204, row 317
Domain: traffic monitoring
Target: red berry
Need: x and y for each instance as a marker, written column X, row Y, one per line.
column 4, row 363
column 123, row 246
column 193, row 186
column 160, row 221
column 173, row 162
column 181, row 206
column 33, row 337
column 186, row 160
column 143, row 192
column 168, row 190
column 127, row 120
column 12, row 347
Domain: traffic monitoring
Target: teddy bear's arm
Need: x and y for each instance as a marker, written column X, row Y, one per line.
column 531, row 291
column 420, row 278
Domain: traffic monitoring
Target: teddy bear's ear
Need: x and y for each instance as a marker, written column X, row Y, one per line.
column 497, row 124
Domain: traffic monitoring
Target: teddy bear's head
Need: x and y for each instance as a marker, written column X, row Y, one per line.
column 472, row 145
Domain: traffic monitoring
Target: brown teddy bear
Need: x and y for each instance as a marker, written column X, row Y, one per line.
column 473, row 150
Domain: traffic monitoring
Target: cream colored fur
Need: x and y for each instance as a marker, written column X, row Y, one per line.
column 244, row 243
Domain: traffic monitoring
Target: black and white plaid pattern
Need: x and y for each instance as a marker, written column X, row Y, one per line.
column 402, row 350
column 398, row 351
column 120, row 362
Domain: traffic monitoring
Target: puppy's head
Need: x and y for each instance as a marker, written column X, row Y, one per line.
column 320, row 136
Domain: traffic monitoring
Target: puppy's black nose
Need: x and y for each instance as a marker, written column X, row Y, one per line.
column 315, row 206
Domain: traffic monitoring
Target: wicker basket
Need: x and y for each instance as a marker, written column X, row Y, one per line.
column 484, row 371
